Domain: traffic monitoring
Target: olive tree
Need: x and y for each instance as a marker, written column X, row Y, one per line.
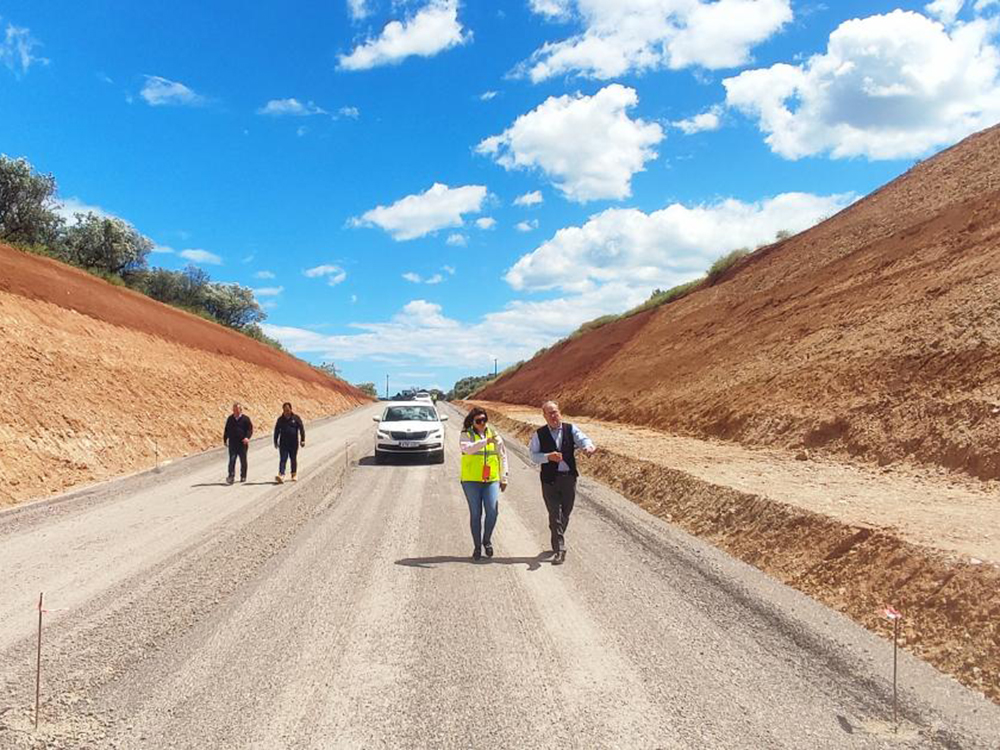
column 232, row 305
column 26, row 213
column 106, row 243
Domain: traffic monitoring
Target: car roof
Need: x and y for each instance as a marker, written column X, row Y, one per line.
column 409, row 403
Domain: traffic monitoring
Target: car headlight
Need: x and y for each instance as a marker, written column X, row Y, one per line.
column 384, row 435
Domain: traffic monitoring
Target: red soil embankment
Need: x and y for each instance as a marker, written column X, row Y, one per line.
column 99, row 381
column 874, row 335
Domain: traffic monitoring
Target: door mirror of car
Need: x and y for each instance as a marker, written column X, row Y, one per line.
column 376, row 419
column 443, row 417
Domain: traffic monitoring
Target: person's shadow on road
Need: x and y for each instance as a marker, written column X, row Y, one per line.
column 533, row 563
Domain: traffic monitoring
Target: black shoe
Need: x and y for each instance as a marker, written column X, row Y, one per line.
column 229, row 480
column 560, row 557
column 477, row 554
column 488, row 548
column 243, row 479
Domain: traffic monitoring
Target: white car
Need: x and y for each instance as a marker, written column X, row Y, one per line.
column 410, row 428
column 424, row 396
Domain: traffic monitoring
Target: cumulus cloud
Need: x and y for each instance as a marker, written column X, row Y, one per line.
column 160, row 92
column 417, row 215
column 333, row 274
column 587, row 146
column 358, row 9
column 945, row 10
column 290, row 107
column 17, row 47
column 533, row 198
column 68, row 208
column 420, row 333
column 487, row 95
column 486, row 222
column 707, row 120
column 631, row 36
column 527, row 226
column 162, row 250
column 268, row 291
column 352, row 113
column 888, row 86
column 196, row 255
column 264, row 275
column 662, row 248
column 457, row 240
column 431, row 30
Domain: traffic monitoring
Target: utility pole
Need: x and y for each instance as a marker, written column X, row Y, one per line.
column 494, row 367
column 387, row 386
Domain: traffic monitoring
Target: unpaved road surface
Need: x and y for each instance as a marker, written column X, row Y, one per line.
column 344, row 611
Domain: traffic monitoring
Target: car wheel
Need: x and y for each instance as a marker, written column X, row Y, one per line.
column 379, row 457
column 438, row 457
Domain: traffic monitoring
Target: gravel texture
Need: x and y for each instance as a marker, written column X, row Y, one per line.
column 344, row 611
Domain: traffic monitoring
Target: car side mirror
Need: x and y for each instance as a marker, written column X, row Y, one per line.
column 443, row 417
column 376, row 419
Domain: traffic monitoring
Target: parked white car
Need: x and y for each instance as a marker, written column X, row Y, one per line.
column 410, row 428
column 424, row 396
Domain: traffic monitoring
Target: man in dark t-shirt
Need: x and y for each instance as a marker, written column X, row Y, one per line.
column 289, row 434
column 237, row 434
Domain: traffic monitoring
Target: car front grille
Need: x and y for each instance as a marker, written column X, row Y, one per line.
column 409, row 435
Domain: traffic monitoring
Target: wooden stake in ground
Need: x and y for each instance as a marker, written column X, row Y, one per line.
column 38, row 663
column 894, row 616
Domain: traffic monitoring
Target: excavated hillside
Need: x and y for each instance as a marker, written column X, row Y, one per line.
column 874, row 335
column 98, row 380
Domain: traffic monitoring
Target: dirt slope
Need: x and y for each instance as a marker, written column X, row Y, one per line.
column 875, row 334
column 99, row 380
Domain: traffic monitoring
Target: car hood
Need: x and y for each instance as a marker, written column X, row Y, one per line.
column 409, row 426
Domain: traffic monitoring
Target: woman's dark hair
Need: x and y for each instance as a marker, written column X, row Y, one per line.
column 471, row 416
column 288, row 404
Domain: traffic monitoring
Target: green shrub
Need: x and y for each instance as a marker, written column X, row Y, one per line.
column 723, row 264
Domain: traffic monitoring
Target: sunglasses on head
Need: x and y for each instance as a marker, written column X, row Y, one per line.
column 480, row 420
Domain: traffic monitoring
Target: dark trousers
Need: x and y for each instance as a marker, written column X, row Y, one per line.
column 238, row 450
column 559, row 497
column 286, row 452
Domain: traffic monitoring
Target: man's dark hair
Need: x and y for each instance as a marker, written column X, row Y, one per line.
column 288, row 404
column 471, row 416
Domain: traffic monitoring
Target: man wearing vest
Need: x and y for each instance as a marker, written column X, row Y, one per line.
column 554, row 447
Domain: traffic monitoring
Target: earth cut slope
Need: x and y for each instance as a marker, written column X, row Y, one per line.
column 874, row 335
column 99, row 380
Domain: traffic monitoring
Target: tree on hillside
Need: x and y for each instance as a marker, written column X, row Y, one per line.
column 367, row 388
column 232, row 305
column 26, row 214
column 106, row 243
column 468, row 385
column 330, row 368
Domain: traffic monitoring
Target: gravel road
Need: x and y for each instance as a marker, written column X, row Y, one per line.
column 344, row 611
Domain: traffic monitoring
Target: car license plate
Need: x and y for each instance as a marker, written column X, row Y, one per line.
column 408, row 443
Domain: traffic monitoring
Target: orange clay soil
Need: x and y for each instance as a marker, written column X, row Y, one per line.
column 874, row 335
column 853, row 537
column 98, row 380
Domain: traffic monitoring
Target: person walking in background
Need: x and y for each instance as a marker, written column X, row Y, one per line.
column 554, row 447
column 484, row 477
column 236, row 435
column 287, row 433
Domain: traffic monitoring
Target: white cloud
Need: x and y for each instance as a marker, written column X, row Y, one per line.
column 662, row 248
column 433, row 29
column 632, row 36
column 888, row 86
column 17, row 47
column 416, row 278
column 435, row 279
column 586, row 145
column 354, row 298
column 533, row 198
column 487, row 95
column 352, row 113
column 301, row 130
column 413, row 278
column 159, row 92
column 268, row 291
column 290, row 107
column 333, row 274
column 162, row 250
column 264, row 275
column 450, row 270
column 486, row 222
column 527, row 226
column 358, row 9
column 457, row 240
column 417, row 215
column 420, row 333
column 707, row 120
column 67, row 208
column 945, row 10
column 196, row 255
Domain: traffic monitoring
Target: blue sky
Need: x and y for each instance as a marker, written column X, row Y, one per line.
column 417, row 187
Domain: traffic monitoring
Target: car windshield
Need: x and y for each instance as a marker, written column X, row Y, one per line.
column 410, row 414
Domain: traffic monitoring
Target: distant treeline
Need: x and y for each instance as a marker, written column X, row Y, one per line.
column 467, row 386
column 113, row 249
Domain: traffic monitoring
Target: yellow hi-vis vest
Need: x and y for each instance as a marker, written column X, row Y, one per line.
column 472, row 464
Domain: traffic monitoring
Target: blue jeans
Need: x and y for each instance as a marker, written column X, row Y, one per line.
column 482, row 495
column 286, row 452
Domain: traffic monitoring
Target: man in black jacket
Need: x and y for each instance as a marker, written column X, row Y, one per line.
column 287, row 432
column 236, row 435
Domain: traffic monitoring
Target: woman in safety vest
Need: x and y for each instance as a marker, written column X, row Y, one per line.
column 484, row 477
